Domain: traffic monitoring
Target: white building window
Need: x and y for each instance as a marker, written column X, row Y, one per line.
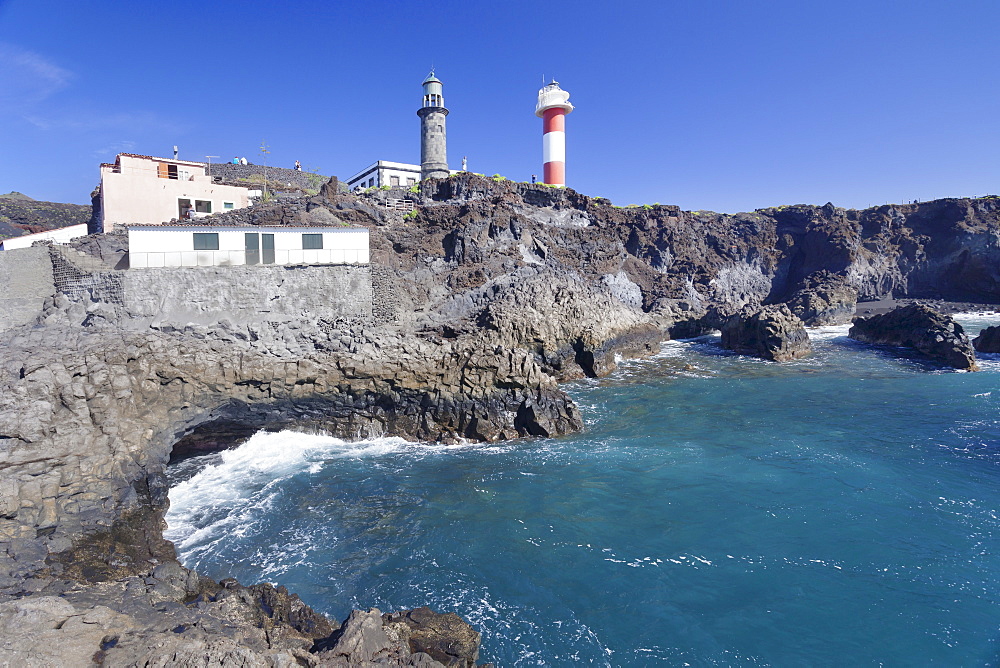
column 228, row 205
column 312, row 241
column 203, row 206
column 206, row 241
column 393, row 180
column 411, row 182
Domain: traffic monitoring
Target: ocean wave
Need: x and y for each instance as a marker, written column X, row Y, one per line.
column 235, row 486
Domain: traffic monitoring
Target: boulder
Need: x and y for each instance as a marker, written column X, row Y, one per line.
column 769, row 332
column 988, row 340
column 445, row 637
column 830, row 303
column 417, row 637
column 935, row 335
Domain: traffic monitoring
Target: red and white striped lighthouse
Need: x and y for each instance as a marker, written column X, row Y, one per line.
column 553, row 105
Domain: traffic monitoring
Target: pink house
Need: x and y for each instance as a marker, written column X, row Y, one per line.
column 142, row 189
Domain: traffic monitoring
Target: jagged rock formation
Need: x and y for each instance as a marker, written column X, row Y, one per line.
column 770, row 332
column 417, row 637
column 485, row 299
column 916, row 326
column 824, row 299
column 988, row 340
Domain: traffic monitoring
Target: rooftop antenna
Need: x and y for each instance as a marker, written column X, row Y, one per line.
column 175, row 151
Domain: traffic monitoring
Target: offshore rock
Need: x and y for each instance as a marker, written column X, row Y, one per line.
column 988, row 340
column 824, row 301
column 916, row 326
column 770, row 332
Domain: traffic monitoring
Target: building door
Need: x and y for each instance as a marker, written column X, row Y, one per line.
column 268, row 240
column 253, row 247
column 183, row 206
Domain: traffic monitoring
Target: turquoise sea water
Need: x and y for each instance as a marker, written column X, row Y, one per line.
column 841, row 510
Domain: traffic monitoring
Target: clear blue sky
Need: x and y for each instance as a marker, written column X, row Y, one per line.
column 726, row 106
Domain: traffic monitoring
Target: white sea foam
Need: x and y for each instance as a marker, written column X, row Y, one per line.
column 221, row 499
column 827, row 332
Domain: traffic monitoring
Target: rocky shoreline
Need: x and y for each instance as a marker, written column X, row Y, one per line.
column 485, row 300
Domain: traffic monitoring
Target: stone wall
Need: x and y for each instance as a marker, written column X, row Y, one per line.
column 77, row 275
column 248, row 295
column 26, row 277
column 233, row 173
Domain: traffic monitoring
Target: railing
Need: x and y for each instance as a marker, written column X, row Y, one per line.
column 180, row 175
column 405, row 205
column 227, row 258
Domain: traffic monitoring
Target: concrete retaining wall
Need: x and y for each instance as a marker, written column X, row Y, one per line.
column 242, row 295
column 25, row 282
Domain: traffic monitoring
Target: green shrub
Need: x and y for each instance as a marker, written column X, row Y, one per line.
column 410, row 215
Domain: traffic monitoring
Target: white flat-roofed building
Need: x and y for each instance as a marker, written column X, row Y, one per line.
column 385, row 173
column 220, row 246
column 142, row 189
column 63, row 235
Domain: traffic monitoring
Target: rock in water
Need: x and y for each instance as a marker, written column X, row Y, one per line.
column 417, row 637
column 832, row 303
column 770, row 332
column 922, row 328
column 988, row 340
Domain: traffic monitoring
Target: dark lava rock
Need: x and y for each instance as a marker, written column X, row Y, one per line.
column 988, row 340
column 445, row 637
column 919, row 327
column 833, row 303
column 418, row 637
column 770, row 332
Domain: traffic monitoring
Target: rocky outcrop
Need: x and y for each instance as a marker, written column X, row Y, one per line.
column 770, row 332
column 988, row 340
column 418, row 637
column 484, row 300
column 824, row 300
column 934, row 335
column 171, row 616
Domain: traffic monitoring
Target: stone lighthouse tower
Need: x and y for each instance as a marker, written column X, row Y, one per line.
column 433, row 143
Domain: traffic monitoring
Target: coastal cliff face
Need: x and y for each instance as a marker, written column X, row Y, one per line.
column 481, row 303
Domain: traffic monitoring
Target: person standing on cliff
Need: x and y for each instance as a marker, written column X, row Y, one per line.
column 298, row 166
column 243, row 161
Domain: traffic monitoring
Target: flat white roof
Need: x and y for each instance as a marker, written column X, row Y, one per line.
column 385, row 164
column 243, row 228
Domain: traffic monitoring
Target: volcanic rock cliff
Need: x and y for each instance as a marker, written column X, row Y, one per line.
column 20, row 214
column 483, row 300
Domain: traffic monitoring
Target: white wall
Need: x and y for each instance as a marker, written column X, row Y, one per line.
column 173, row 246
column 133, row 193
column 61, row 236
column 382, row 171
